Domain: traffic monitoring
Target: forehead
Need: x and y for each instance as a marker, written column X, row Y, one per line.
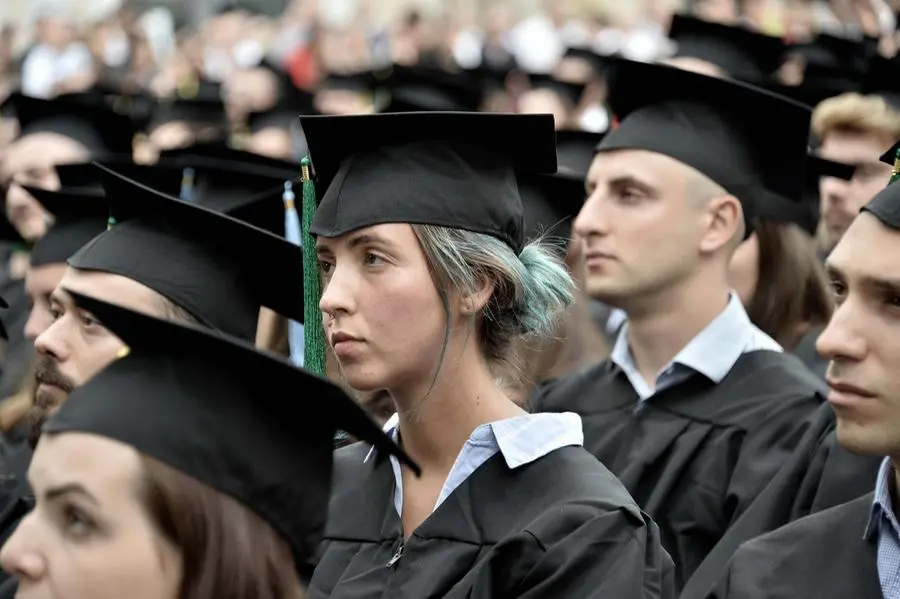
column 44, row 279
column 397, row 234
column 94, row 461
column 640, row 164
column 111, row 288
column 868, row 248
column 855, row 145
column 40, row 150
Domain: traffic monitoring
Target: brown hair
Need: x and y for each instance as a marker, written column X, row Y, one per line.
column 858, row 113
column 791, row 294
column 228, row 552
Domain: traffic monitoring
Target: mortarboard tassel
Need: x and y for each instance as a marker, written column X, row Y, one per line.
column 293, row 234
column 314, row 334
column 111, row 221
column 187, row 184
column 895, row 173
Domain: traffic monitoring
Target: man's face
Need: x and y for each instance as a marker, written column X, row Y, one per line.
column 31, row 160
column 40, row 281
column 862, row 341
column 841, row 200
column 76, row 346
column 639, row 232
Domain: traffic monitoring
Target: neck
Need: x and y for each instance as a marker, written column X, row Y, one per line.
column 435, row 424
column 662, row 326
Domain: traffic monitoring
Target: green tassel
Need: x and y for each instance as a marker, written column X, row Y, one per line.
column 313, row 332
column 895, row 174
column 110, row 222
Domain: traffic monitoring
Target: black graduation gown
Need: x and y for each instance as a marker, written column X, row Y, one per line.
column 695, row 455
column 561, row 526
column 820, row 474
column 823, row 556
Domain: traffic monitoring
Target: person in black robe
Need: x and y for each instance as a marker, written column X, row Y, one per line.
column 696, row 409
column 420, row 211
column 849, row 550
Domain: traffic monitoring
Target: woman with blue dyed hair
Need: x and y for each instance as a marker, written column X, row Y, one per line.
column 426, row 286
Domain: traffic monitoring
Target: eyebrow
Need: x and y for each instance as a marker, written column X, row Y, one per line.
column 60, row 297
column 625, row 180
column 361, row 239
column 69, row 489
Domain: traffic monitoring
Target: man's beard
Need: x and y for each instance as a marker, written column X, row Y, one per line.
column 45, row 403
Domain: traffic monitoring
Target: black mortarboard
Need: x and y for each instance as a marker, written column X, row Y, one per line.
column 229, row 416
column 79, row 216
column 446, row 169
column 834, row 56
column 570, row 92
column 209, row 264
column 883, row 79
column 134, row 103
column 575, row 149
column 813, row 94
column 79, row 175
column 219, row 155
column 805, row 213
column 415, row 89
column 551, row 203
column 742, row 53
column 885, row 206
column 205, row 107
column 705, row 123
column 101, row 130
column 225, row 187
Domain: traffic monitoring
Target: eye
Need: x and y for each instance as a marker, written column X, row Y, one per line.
column 56, row 313
column 837, row 288
column 89, row 321
column 373, row 259
column 76, row 523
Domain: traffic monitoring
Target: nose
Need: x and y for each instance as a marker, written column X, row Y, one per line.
column 20, row 556
column 338, row 295
column 832, row 191
column 842, row 339
column 39, row 320
column 590, row 221
column 53, row 343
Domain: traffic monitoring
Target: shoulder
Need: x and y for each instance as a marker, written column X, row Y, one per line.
column 828, row 528
column 551, row 395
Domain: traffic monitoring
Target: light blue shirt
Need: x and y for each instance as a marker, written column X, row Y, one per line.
column 883, row 522
column 521, row 440
column 712, row 353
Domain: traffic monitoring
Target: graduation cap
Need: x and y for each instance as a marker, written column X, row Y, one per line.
column 134, row 103
column 740, row 136
column 200, row 104
column 363, row 82
column 79, row 175
column 805, row 213
column 833, row 56
column 885, row 206
column 447, row 169
column 79, row 216
column 220, row 155
column 551, row 203
column 571, row 93
column 224, row 187
column 575, row 149
column 883, row 79
column 208, row 263
column 813, row 94
column 423, row 89
column 229, row 416
column 101, row 130
column 742, row 53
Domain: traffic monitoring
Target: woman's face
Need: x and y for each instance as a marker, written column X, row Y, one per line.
column 743, row 272
column 89, row 535
column 381, row 311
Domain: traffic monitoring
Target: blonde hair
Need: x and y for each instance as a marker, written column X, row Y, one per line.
column 857, row 113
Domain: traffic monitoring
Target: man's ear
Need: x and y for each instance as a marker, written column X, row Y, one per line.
column 725, row 220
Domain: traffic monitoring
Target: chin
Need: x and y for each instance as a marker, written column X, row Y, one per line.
column 866, row 439
column 359, row 378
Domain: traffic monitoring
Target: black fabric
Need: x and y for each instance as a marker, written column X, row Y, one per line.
column 447, row 169
column 805, row 350
column 885, row 206
column 561, row 526
column 217, row 410
column 575, row 149
column 79, row 216
column 551, row 203
column 703, row 122
column 819, row 474
column 695, row 455
column 417, row 88
column 820, row 557
column 742, row 53
column 208, row 263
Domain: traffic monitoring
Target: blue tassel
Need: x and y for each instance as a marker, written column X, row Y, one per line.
column 187, row 185
column 296, row 334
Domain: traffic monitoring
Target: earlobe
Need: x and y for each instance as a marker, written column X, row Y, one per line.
column 478, row 299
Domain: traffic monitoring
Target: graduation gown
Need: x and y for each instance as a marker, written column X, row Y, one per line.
column 806, row 351
column 561, row 526
column 823, row 556
column 695, row 455
column 819, row 474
